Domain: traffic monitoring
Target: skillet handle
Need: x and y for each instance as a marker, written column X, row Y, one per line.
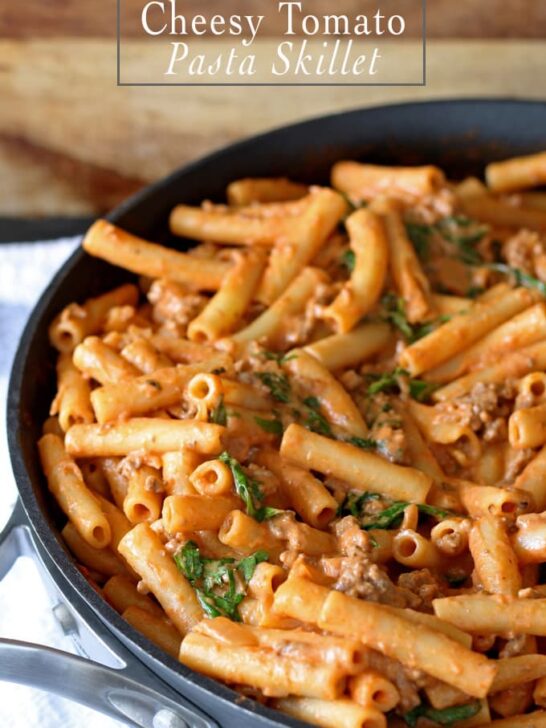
column 125, row 690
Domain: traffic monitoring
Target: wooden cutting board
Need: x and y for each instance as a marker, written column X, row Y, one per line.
column 73, row 143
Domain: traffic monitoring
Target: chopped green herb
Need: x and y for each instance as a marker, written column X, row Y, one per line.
column 248, row 489
column 365, row 443
column 390, row 517
column 272, row 426
column 219, row 414
column 396, row 315
column 315, row 420
column 521, row 278
column 464, row 233
column 475, row 291
column 348, row 260
column 214, row 581
column 389, row 382
column 446, row 717
column 353, row 503
column 278, row 385
column 420, row 235
column 278, row 356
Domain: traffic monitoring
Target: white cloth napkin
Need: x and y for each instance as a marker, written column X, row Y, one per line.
column 25, row 611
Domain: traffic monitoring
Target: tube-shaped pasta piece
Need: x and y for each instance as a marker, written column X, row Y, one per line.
column 386, row 631
column 212, row 478
column 269, row 326
column 144, row 495
column 307, row 495
column 106, row 241
column 368, row 242
column 524, row 329
column 143, row 549
column 483, row 500
column 102, row 560
column 532, row 479
column 530, row 720
column 246, row 535
column 274, row 674
column 307, row 234
column 143, row 433
column 533, row 387
column 177, row 468
column 450, row 305
column 66, row 483
column 516, row 670
column 75, row 322
column 225, row 309
column 314, row 379
column 420, row 454
column 197, row 512
column 300, row 599
column 340, row 351
column 407, row 273
column 527, row 427
column 208, row 388
column 52, row 427
column 529, row 540
column 264, row 189
column 436, row 429
column 539, row 693
column 228, row 226
column 412, row 549
column 429, row 620
column 494, row 614
column 366, row 181
column 73, row 400
column 372, row 688
column 342, row 713
column 450, row 536
column 265, row 581
column 517, row 173
column 361, row 470
column 501, row 213
column 513, row 701
column 157, row 630
column 119, row 525
column 94, row 477
column 461, row 331
column 529, row 359
column 146, row 393
column 121, row 593
column 494, row 558
column 117, row 481
column 100, row 362
column 144, row 357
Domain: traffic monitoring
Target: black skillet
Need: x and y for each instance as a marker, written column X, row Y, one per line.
column 142, row 685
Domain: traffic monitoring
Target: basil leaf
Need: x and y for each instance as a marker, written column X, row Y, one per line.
column 272, row 426
column 219, row 414
column 315, row 420
column 188, row 561
column 348, row 259
column 278, row 357
column 446, row 717
column 248, row 489
column 278, row 385
column 420, row 235
column 364, row 443
column 420, row 390
column 521, row 278
column 389, row 517
column 389, row 382
column 247, row 566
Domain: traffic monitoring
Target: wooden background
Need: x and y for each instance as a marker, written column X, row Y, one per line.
column 73, row 143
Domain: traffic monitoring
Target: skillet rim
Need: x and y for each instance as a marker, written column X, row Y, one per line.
column 70, row 577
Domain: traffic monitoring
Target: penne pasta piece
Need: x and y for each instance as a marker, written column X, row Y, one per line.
column 157, row 630
column 493, row 614
column 111, row 243
column 370, row 688
column 366, row 181
column 274, row 674
column 501, row 213
column 529, row 359
column 527, row 427
column 531, row 720
column 341, row 713
column 265, row 189
column 412, row 549
column 532, row 479
column 143, row 433
column 75, row 322
column 483, row 500
column 101, row 363
column 305, row 238
column 517, row 670
column 405, row 267
column 122, row 593
column 494, row 559
column 517, row 173
column 100, row 560
column 341, row 351
column 72, row 402
column 197, row 512
column 140, row 395
column 144, row 495
column 177, row 469
column 144, row 357
column 361, row 470
column 66, row 483
column 529, row 540
column 245, row 535
column 212, row 478
column 369, row 244
column 314, row 379
column 145, row 553
column 459, row 332
column 225, row 309
column 269, row 327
